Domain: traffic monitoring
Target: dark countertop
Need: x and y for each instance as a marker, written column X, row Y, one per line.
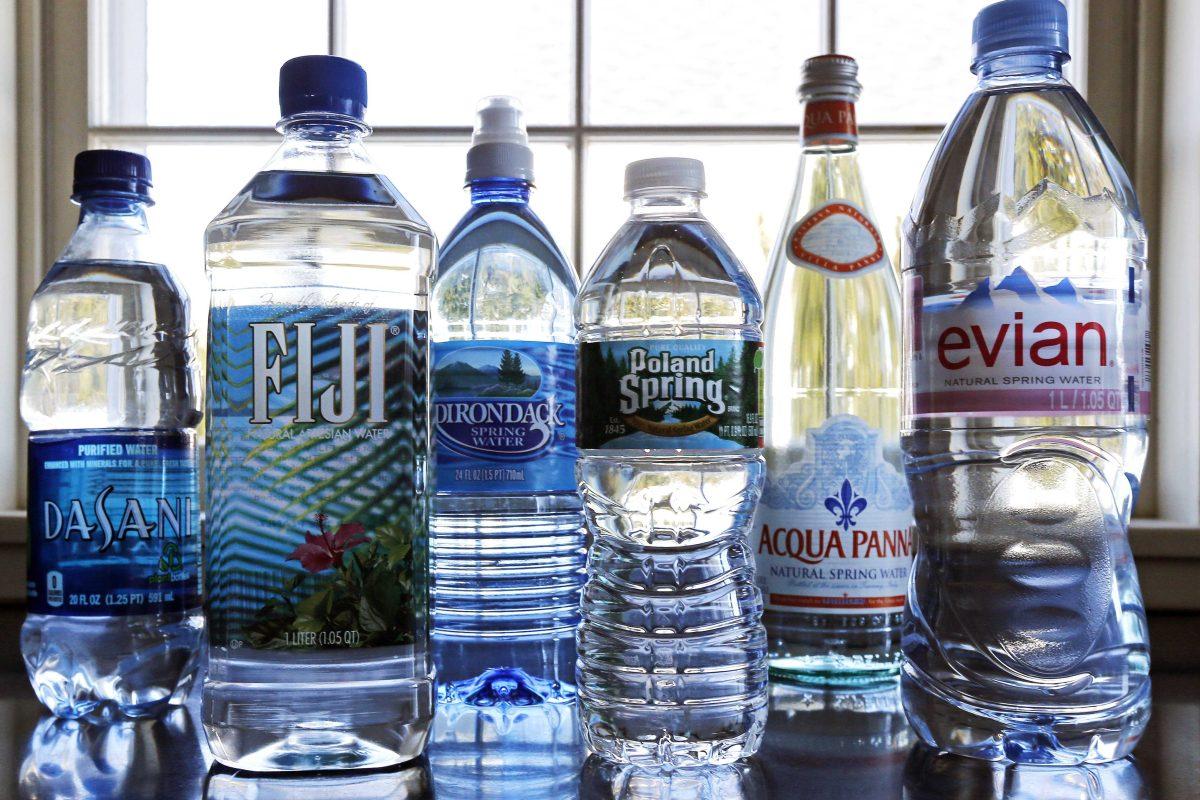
column 818, row 745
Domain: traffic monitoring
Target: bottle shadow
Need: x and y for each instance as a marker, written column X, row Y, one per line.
column 122, row 760
column 411, row 781
column 933, row 775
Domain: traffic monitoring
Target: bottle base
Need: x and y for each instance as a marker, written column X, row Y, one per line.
column 280, row 715
column 833, row 670
column 992, row 733
column 96, row 670
column 671, row 750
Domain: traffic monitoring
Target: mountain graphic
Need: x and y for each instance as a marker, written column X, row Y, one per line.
column 1022, row 286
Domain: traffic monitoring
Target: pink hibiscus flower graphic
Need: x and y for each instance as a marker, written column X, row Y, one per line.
column 325, row 550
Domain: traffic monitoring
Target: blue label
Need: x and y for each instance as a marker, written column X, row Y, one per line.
column 113, row 524
column 317, row 442
column 504, row 417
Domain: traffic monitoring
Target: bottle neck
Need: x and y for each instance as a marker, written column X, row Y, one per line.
column 111, row 228
column 499, row 190
column 322, row 143
column 829, row 121
column 665, row 202
column 1027, row 67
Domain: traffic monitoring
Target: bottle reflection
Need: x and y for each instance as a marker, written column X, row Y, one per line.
column 930, row 775
column 506, row 751
column 143, row 760
column 409, row 781
column 835, row 743
column 604, row 780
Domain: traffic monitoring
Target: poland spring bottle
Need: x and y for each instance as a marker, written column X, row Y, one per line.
column 111, row 397
column 317, row 442
column 834, row 527
column 1026, row 398
column 672, row 651
column 506, row 528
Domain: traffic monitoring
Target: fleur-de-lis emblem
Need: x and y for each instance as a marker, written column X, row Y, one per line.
column 845, row 506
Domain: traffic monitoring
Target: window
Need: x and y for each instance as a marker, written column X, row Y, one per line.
column 193, row 85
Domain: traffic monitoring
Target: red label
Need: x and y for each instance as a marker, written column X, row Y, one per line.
column 829, row 121
column 838, row 238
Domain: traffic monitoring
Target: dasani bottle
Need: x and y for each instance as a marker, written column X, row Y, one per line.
column 111, row 397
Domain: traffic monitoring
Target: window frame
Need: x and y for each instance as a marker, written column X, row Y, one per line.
column 49, row 94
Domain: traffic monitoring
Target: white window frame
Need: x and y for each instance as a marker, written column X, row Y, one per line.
column 1142, row 86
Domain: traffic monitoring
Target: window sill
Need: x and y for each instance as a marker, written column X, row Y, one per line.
column 1167, row 553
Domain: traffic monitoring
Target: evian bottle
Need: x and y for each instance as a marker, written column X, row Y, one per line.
column 833, row 531
column 1026, row 398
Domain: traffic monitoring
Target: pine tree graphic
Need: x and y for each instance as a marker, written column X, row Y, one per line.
column 510, row 370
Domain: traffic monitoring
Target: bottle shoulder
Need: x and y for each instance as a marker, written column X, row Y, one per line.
column 669, row 272
column 514, row 227
column 1014, row 157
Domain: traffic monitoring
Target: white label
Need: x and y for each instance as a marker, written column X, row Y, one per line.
column 834, row 528
column 837, row 239
column 1020, row 349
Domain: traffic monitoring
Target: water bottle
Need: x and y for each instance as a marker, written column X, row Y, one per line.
column 506, row 527
column 672, row 650
column 315, row 560
column 111, row 398
column 1026, row 399
column 834, row 528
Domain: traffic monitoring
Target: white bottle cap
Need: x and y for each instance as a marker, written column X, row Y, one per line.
column 499, row 144
column 686, row 174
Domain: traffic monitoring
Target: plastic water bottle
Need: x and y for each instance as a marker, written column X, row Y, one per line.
column 1026, row 400
column 315, row 560
column 507, row 529
column 111, row 397
column 833, row 532
column 672, row 651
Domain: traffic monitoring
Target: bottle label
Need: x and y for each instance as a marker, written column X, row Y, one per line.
column 829, row 121
column 316, row 493
column 836, row 239
column 670, row 394
column 504, row 417
column 113, row 524
column 835, row 526
column 1021, row 349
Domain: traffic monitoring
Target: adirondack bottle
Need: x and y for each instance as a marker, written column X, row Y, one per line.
column 111, row 397
column 1026, row 398
column 672, row 668
column 317, row 443
column 833, row 531
column 506, row 529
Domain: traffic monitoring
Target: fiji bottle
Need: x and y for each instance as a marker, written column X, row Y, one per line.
column 506, row 526
column 672, row 668
column 1026, row 400
column 833, row 531
column 111, row 398
column 317, row 443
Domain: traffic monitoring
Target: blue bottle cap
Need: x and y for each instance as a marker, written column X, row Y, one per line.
column 322, row 85
column 115, row 172
column 1020, row 26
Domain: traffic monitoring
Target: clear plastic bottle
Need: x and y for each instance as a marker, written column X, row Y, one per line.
column 317, row 445
column 672, row 651
column 1026, row 400
column 833, row 531
column 506, row 529
column 111, row 397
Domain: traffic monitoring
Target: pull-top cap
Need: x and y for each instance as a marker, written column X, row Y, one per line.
column 499, row 143
column 322, row 85
column 685, row 174
column 115, row 172
column 1020, row 26
column 832, row 76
